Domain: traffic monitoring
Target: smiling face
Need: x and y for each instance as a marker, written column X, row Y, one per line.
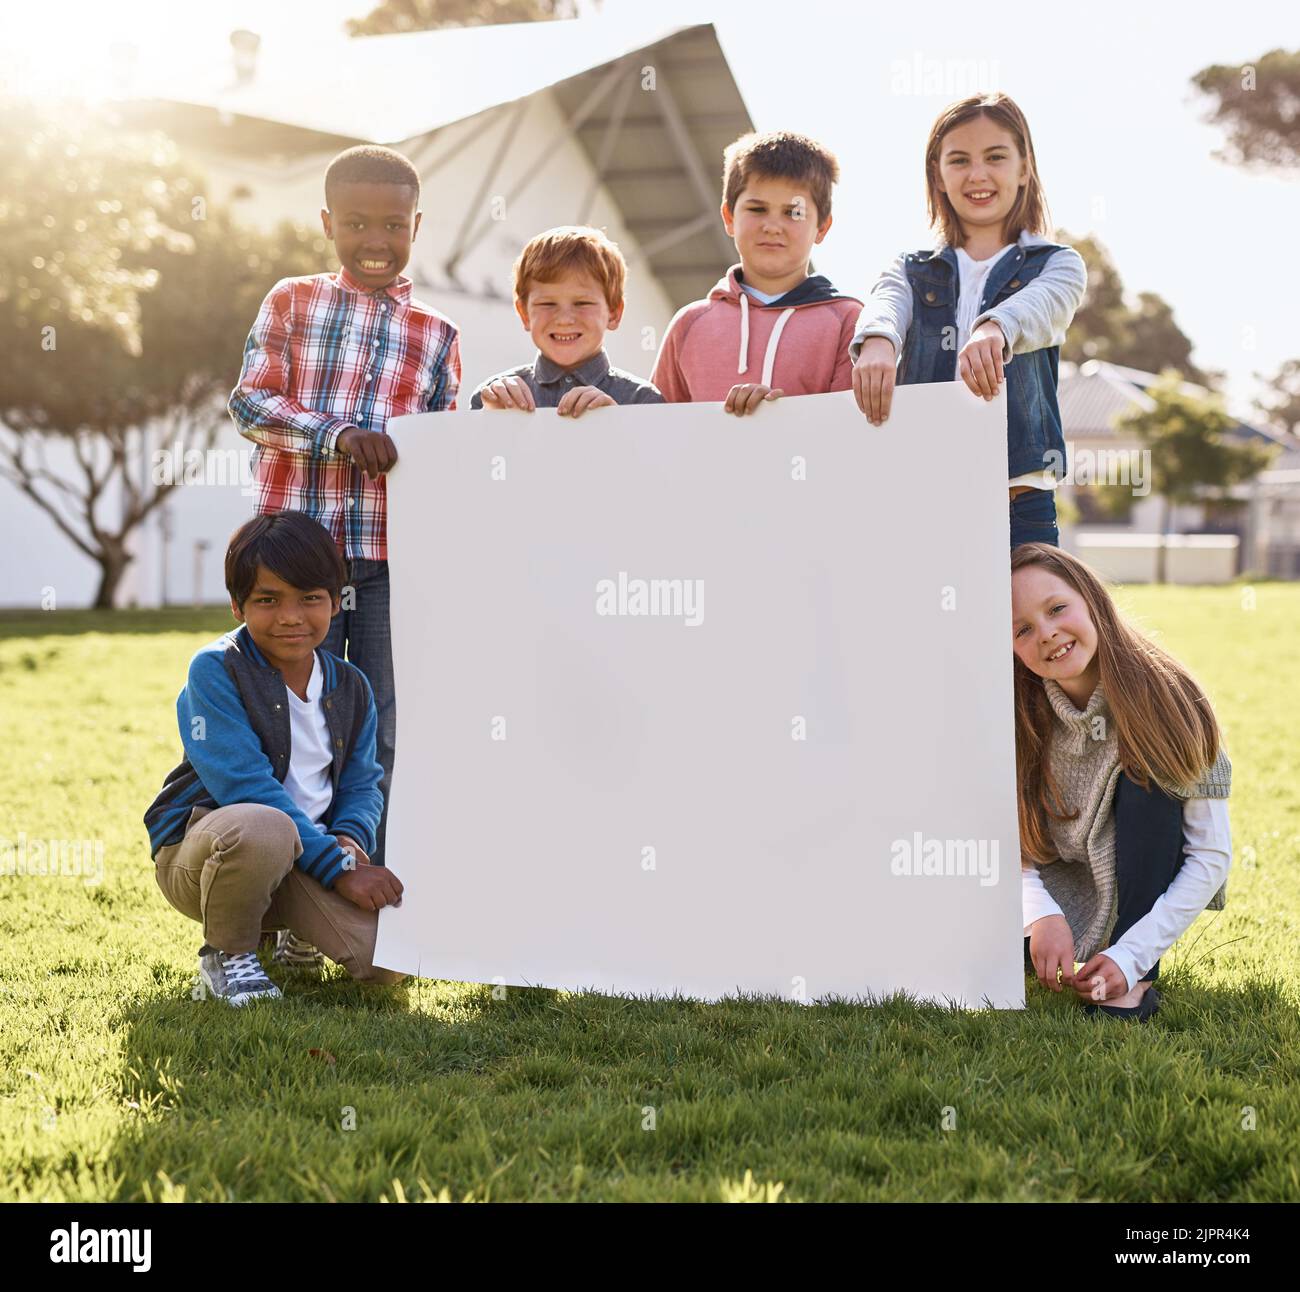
column 287, row 623
column 982, row 172
column 775, row 227
column 1052, row 632
column 568, row 318
column 372, row 227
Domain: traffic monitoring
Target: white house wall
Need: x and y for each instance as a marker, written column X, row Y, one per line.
column 492, row 337
column 553, row 197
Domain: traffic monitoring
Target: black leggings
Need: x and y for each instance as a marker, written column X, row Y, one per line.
column 1148, row 854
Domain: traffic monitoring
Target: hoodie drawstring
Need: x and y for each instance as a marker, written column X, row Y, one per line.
column 769, row 358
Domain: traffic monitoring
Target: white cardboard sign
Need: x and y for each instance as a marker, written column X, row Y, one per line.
column 703, row 704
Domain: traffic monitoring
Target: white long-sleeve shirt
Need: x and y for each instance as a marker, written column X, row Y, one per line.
column 1033, row 318
column 1208, row 849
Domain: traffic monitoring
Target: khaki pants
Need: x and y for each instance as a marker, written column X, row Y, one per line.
column 234, row 872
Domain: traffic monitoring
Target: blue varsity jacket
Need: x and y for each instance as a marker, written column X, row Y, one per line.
column 233, row 714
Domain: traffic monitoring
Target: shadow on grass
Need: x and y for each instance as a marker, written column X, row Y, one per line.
column 452, row 1083
column 68, row 623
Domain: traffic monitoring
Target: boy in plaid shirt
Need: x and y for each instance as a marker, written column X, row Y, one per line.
column 330, row 358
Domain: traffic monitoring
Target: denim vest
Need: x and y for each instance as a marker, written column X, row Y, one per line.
column 1033, row 416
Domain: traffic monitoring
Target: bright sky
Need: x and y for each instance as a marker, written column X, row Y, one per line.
column 1122, row 147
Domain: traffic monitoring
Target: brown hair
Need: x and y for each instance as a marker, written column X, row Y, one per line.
column 1029, row 211
column 572, row 247
column 779, row 154
column 1165, row 725
column 293, row 546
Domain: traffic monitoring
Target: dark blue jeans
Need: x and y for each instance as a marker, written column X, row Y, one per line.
column 1033, row 518
column 363, row 633
column 1148, row 854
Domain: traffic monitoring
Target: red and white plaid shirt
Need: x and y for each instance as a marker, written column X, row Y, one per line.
column 325, row 354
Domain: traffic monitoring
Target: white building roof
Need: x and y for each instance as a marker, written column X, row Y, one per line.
column 385, row 89
column 1093, row 394
column 652, row 106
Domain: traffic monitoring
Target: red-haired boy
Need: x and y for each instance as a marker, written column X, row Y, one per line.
column 568, row 294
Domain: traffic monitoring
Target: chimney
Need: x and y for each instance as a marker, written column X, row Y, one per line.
column 244, row 46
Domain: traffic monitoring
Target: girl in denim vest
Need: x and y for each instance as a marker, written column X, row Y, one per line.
column 992, row 289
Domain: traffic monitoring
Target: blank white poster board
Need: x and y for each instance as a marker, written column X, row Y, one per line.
column 703, row 704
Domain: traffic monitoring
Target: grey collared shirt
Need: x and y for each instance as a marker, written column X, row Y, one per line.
column 550, row 383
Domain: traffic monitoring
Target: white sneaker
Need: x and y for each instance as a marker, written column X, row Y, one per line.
column 236, row 979
column 294, row 952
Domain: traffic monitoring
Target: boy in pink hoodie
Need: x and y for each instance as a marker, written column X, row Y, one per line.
column 768, row 327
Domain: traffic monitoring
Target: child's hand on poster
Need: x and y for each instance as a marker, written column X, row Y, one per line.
column 979, row 361
column 370, row 887
column 746, row 398
column 373, row 451
column 509, row 392
column 874, row 374
column 575, row 402
column 378, row 886
column 1051, row 948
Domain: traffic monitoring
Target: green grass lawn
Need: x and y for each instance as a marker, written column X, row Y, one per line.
column 115, row 1085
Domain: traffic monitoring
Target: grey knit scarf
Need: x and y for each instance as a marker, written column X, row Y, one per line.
column 1083, row 753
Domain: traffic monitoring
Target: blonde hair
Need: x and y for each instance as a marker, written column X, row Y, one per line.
column 1028, row 212
column 1166, row 728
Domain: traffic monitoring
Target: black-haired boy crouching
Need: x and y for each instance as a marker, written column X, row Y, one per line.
column 268, row 820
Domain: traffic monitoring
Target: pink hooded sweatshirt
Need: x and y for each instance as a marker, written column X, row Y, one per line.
column 799, row 344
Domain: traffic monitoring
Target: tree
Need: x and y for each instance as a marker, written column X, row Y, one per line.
column 1186, row 435
column 1281, row 404
column 424, row 15
column 1156, row 342
column 1259, row 104
column 125, row 298
column 1105, row 327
